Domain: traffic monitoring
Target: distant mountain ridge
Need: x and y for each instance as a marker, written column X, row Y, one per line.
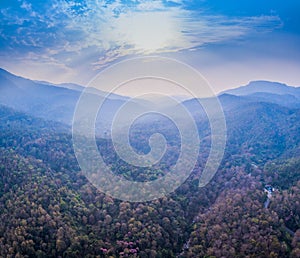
column 50, row 101
column 70, row 86
column 57, row 102
column 265, row 87
column 271, row 92
column 48, row 208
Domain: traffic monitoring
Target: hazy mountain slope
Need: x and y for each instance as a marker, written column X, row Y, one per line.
column 263, row 130
column 51, row 102
column 285, row 100
column 47, row 208
column 40, row 100
column 71, row 86
column 267, row 87
column 259, row 127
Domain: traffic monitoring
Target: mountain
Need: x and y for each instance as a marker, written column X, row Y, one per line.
column 57, row 102
column 50, row 101
column 254, row 92
column 227, row 102
column 70, row 86
column 48, row 208
column 265, row 87
column 270, row 92
column 286, row 100
column 40, row 100
column 262, row 125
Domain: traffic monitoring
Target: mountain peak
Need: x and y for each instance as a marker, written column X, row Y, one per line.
column 266, row 83
column 265, row 87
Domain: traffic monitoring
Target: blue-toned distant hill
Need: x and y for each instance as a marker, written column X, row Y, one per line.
column 49, row 209
column 70, row 86
column 37, row 99
column 58, row 101
column 50, row 101
column 254, row 92
column 272, row 92
column 266, row 87
column 251, row 108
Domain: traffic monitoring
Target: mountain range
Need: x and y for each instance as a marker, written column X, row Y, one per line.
column 48, row 208
column 57, row 102
column 261, row 111
column 53, row 102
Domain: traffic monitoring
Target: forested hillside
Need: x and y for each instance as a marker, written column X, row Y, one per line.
column 250, row 208
column 49, row 209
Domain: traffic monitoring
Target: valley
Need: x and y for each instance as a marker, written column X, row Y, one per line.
column 48, row 208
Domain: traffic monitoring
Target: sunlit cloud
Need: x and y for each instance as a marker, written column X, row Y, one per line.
column 110, row 30
column 154, row 28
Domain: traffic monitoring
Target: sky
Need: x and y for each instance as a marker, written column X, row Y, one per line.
column 229, row 42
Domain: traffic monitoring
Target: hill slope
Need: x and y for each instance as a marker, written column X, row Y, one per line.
column 266, row 87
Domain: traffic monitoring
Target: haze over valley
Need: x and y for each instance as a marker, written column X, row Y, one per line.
column 49, row 207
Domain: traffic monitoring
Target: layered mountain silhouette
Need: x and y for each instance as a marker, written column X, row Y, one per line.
column 49, row 209
column 259, row 102
column 51, row 101
column 272, row 92
column 265, row 87
column 58, row 101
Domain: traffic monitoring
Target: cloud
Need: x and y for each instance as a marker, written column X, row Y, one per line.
column 175, row 29
column 151, row 27
column 116, row 29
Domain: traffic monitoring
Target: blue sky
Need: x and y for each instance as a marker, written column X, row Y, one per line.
column 230, row 42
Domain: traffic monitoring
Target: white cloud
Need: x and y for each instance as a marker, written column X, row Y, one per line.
column 149, row 27
column 174, row 29
column 150, row 5
column 28, row 7
column 115, row 30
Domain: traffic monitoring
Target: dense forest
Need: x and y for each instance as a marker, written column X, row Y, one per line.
column 48, row 208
